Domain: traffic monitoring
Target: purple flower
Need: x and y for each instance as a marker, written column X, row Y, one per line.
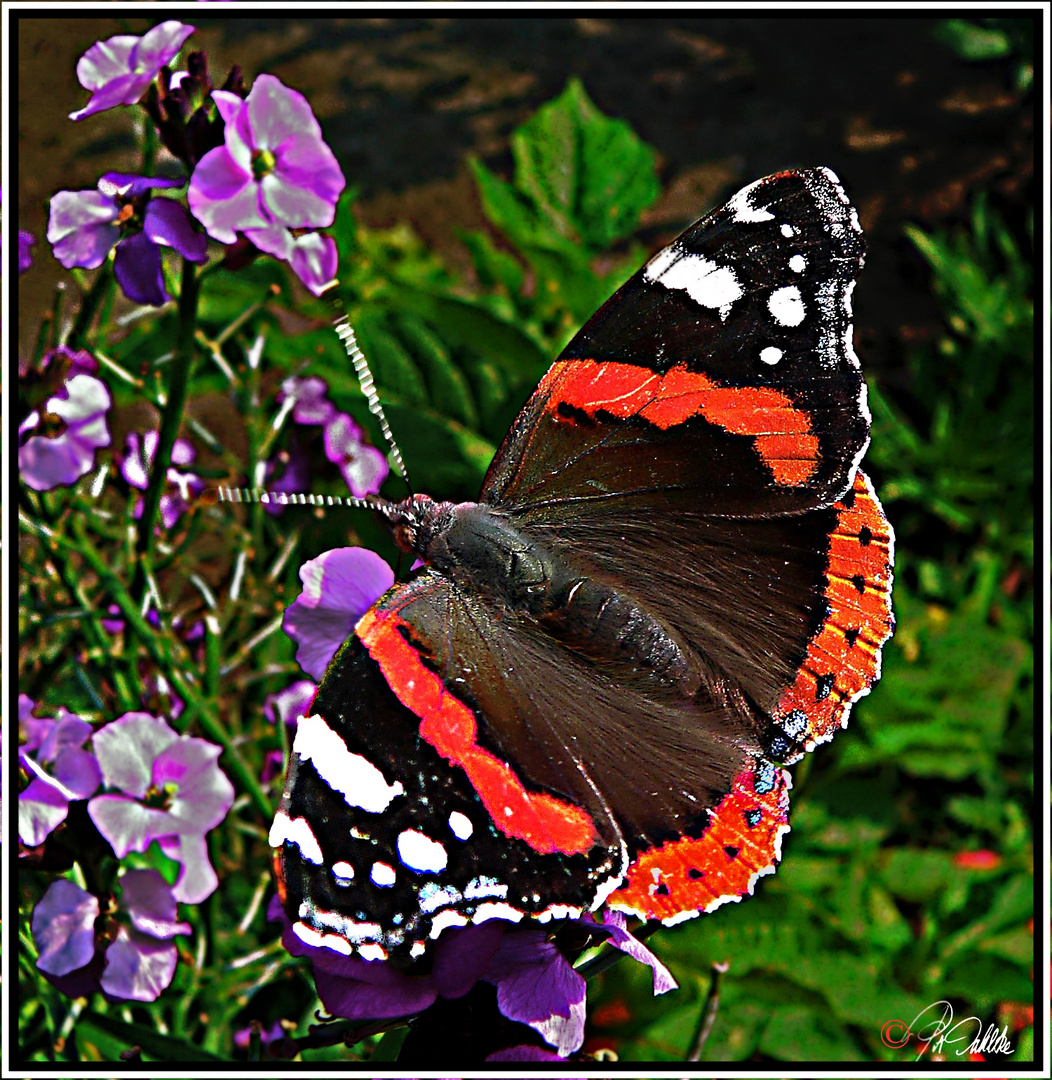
column 536, row 984
column 273, row 169
column 182, row 486
column 57, row 445
column 339, row 586
column 359, row 989
column 117, row 71
column 311, row 406
column 26, row 242
column 85, row 225
column 273, row 1039
column 363, row 466
column 173, row 792
column 74, row 772
column 139, row 962
column 290, row 705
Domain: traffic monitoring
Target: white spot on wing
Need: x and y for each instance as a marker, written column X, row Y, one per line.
column 296, row 831
column 742, row 208
column 309, row 936
column 445, row 919
column 382, row 874
column 497, row 911
column 420, row 853
column 343, row 872
column 460, row 824
column 797, row 263
column 359, row 781
column 479, row 887
column 788, row 231
column 433, row 896
column 771, row 355
column 705, row 282
column 787, row 306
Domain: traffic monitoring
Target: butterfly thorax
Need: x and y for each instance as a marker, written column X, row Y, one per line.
column 483, row 551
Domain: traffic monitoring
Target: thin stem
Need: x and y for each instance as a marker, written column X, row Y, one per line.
column 708, row 1013
column 178, row 389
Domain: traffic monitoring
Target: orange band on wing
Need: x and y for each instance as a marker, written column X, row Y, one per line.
column 843, row 658
column 781, row 431
column 547, row 824
column 742, row 842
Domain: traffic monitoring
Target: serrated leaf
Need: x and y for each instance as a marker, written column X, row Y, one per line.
column 589, row 175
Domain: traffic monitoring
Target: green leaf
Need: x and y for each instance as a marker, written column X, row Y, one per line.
column 156, row 1046
column 449, row 393
column 590, row 176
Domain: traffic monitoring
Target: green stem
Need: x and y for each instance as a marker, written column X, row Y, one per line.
column 197, row 708
column 89, row 305
column 178, row 389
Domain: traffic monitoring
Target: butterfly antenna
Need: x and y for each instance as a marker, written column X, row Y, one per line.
column 287, row 498
column 365, row 379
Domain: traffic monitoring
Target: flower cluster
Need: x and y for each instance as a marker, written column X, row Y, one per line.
column 158, row 787
column 260, row 173
column 363, row 467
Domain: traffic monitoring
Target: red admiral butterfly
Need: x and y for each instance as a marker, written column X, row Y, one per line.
column 676, row 580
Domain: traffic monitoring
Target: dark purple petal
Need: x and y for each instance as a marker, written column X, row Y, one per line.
column 82, row 228
column 361, row 1001
column 148, row 899
column 127, row 747
column 119, row 70
column 338, row 588
column 525, row 1053
column 167, row 222
column 78, row 772
column 26, row 243
column 462, row 955
column 132, row 185
column 290, row 705
column 537, row 986
column 137, row 266
column 64, row 927
column 44, row 463
column 138, row 967
column 314, row 261
column 363, row 466
column 66, row 732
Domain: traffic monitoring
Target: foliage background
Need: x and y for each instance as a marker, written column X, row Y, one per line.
column 874, row 913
